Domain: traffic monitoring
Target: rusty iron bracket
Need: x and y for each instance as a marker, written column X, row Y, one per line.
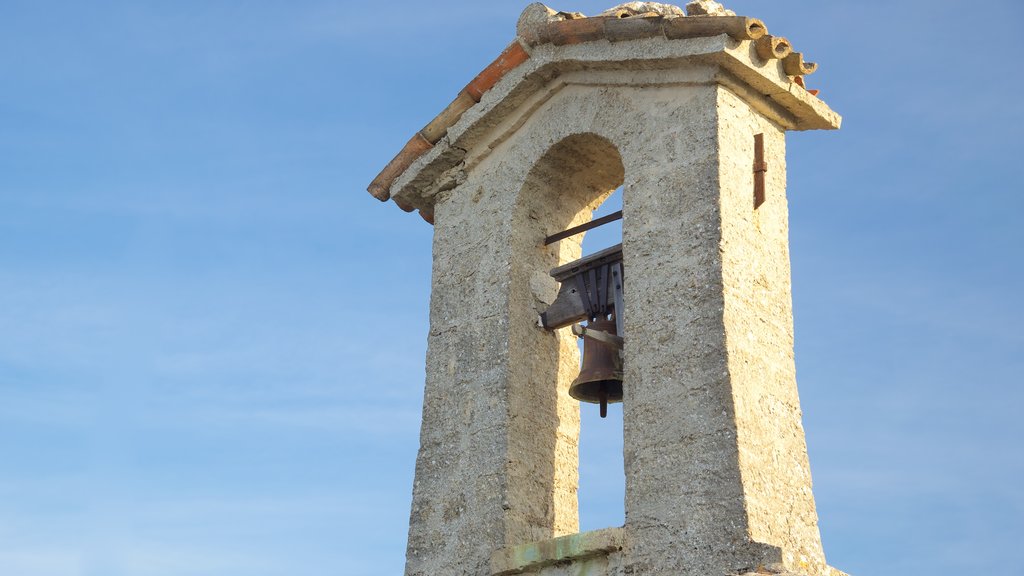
column 760, row 167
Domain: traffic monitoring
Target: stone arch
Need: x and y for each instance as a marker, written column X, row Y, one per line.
column 561, row 189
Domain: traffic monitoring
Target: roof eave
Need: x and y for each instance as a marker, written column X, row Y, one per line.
column 431, row 161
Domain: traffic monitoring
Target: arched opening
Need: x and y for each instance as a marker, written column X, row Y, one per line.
column 562, row 190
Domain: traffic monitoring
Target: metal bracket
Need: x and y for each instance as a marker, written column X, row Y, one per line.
column 760, row 167
column 599, row 335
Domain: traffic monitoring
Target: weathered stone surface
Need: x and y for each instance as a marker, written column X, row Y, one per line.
column 634, row 8
column 533, row 17
column 759, row 340
column 707, row 8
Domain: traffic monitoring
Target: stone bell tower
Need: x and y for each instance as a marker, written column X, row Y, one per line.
column 688, row 113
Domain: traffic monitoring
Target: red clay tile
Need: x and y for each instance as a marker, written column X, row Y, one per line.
column 800, row 82
column 511, row 57
column 739, row 27
column 769, row 47
column 794, row 65
column 439, row 126
column 413, row 149
column 617, row 29
column 576, row 31
column 405, row 207
column 427, row 215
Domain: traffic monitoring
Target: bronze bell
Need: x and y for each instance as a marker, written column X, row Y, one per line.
column 600, row 379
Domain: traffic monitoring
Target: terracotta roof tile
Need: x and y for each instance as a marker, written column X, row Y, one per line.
column 413, row 149
column 739, row 27
column 405, row 207
column 567, row 32
column 437, row 128
column 633, row 27
column 794, row 65
column 769, row 47
column 511, row 57
column 427, row 214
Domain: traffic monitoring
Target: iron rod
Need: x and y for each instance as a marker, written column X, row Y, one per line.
column 583, row 227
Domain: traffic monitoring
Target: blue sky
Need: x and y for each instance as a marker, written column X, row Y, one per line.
column 212, row 338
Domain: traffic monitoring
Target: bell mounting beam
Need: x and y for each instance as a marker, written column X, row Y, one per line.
column 591, row 288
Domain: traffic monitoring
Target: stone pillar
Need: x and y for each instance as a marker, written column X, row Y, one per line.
column 715, row 457
column 458, row 514
column 758, row 320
